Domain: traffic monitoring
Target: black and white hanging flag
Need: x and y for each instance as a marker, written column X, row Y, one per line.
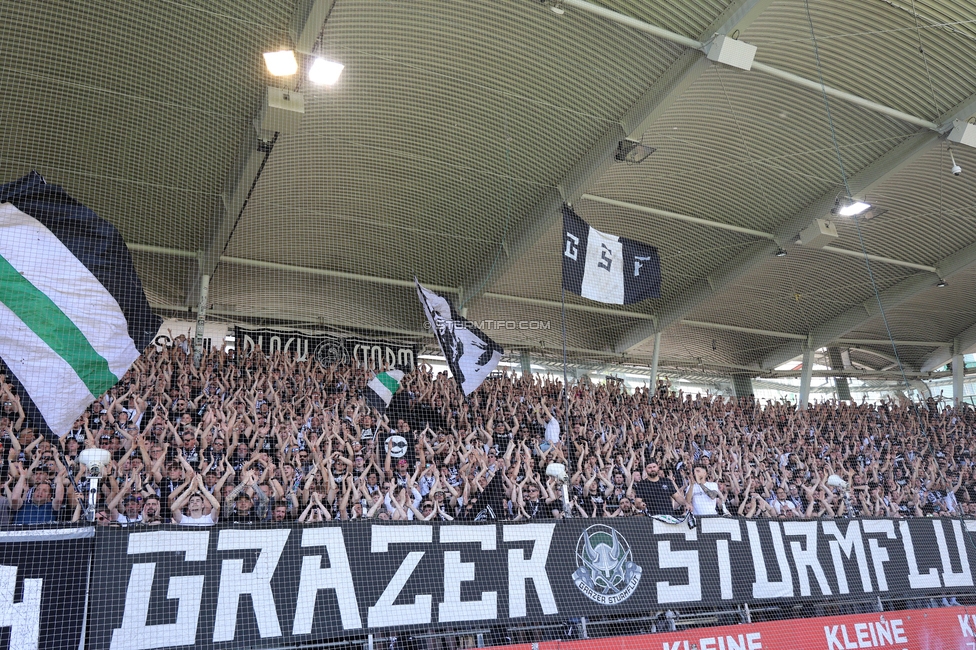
column 470, row 354
column 73, row 315
column 607, row 268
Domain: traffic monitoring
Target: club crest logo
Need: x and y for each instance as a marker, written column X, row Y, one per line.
column 605, row 571
column 331, row 353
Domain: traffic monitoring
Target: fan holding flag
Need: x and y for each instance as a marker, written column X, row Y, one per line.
column 381, row 388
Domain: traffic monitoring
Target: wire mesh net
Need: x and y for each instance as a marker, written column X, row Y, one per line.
column 690, row 371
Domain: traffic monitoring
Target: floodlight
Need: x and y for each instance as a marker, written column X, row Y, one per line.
column 325, row 73
column 942, row 283
column 853, row 208
column 632, row 151
column 781, row 253
column 281, row 63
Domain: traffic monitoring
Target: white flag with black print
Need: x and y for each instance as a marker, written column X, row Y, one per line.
column 607, row 268
column 470, row 354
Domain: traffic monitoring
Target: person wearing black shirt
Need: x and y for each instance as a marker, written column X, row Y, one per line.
column 535, row 507
column 243, row 510
column 656, row 492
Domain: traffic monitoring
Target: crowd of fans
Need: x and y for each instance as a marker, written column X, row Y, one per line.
column 274, row 439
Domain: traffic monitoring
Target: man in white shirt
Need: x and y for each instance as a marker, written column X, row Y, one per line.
column 703, row 496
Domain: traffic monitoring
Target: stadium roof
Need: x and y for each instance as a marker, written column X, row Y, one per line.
column 458, row 128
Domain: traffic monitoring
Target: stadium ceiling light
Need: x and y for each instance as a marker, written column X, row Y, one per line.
column 852, row 208
column 781, row 253
column 281, row 63
column 632, row 151
column 325, row 73
column 942, row 283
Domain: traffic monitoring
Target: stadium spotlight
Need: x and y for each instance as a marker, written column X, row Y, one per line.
column 555, row 6
column 781, row 253
column 281, row 63
column 632, row 151
column 942, row 283
column 325, row 73
column 852, row 208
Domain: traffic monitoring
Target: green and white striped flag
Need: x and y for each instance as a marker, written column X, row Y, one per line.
column 73, row 316
column 381, row 389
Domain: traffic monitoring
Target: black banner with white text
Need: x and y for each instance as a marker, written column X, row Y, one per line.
column 44, row 587
column 377, row 354
column 278, row 586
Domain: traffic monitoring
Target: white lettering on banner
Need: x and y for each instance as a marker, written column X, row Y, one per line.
column 964, row 620
column 848, row 543
column 405, row 358
column 520, row 570
column 234, row 582
column 384, row 612
column 23, row 618
column 299, row 354
column 719, row 525
column 870, row 634
column 806, row 559
column 668, row 559
column 879, row 555
column 915, row 579
column 246, row 345
column 134, row 634
column 949, row 577
column 750, row 641
column 338, row 578
column 455, row 572
column 762, row 587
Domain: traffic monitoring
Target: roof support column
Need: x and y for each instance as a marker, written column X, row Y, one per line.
column 805, row 376
column 741, row 384
column 655, row 357
column 958, row 373
column 526, row 362
column 837, row 363
column 201, row 320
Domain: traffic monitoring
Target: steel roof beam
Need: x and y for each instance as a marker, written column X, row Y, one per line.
column 252, row 153
column 761, row 252
column 858, row 315
column 964, row 343
column 708, row 223
column 590, row 168
column 795, row 79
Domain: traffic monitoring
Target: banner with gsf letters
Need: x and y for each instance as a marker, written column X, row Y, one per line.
column 279, row 586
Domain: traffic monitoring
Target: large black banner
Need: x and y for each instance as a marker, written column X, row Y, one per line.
column 280, row 586
column 44, row 587
column 327, row 349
